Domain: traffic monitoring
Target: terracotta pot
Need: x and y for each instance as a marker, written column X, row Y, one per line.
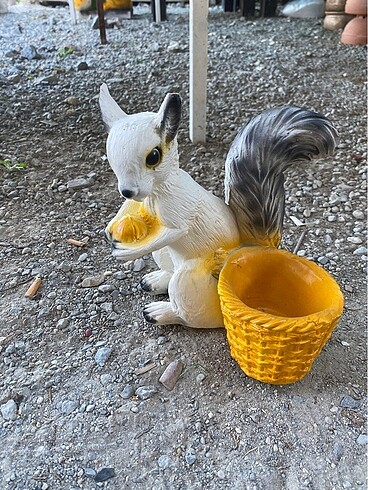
column 279, row 310
column 356, row 7
column 336, row 20
column 335, row 5
column 355, row 32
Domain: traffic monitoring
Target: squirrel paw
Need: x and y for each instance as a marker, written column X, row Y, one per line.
column 161, row 313
column 156, row 282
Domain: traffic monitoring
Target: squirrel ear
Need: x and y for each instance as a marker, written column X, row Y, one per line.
column 110, row 110
column 169, row 116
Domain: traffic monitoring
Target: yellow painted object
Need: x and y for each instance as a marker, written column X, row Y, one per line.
column 107, row 5
column 279, row 311
column 133, row 226
column 118, row 5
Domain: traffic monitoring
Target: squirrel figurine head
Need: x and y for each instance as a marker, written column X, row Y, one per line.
column 143, row 165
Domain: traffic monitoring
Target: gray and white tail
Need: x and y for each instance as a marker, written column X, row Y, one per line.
column 254, row 170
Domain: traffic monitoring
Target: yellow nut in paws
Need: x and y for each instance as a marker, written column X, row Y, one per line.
column 129, row 229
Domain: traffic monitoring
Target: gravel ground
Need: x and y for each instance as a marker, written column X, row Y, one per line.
column 81, row 406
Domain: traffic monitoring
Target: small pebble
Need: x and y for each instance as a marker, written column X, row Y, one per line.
column 360, row 251
column 164, row 462
column 82, row 66
column 323, row 260
column 170, row 376
column 104, row 474
column 106, row 288
column 145, row 392
column 89, row 472
column 358, row 214
column 62, row 323
column 120, row 275
column 139, row 265
column 83, row 257
column 190, row 458
column 102, row 355
column 93, row 281
column 73, row 101
column 221, row 474
column 65, row 267
column 9, row 410
column 106, row 379
column 81, row 183
column 350, row 402
column 127, row 392
column 362, row 439
column 68, row 406
column 355, row 240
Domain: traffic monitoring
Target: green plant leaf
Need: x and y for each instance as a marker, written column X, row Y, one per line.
column 66, row 51
column 12, row 166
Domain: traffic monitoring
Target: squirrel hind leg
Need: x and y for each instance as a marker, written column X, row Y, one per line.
column 161, row 313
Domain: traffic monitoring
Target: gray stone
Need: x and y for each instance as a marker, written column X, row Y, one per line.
column 9, row 410
column 120, row 275
column 106, row 288
column 49, row 80
column 65, row 267
column 82, row 66
column 360, row 251
column 73, row 101
column 89, row 472
column 104, row 474
column 68, row 406
column 102, row 355
column 164, row 462
column 221, row 474
column 358, row 214
column 190, row 457
column 81, row 183
column 93, row 281
column 323, row 260
column 62, row 323
column 127, row 392
column 30, row 53
column 337, row 451
column 107, row 307
column 10, row 350
column 139, row 265
column 145, row 392
column 83, row 257
column 349, row 402
column 362, row 439
column 106, row 379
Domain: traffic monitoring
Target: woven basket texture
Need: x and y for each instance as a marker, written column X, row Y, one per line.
column 268, row 347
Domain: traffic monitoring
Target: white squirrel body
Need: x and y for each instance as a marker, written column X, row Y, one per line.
column 188, row 230
column 203, row 222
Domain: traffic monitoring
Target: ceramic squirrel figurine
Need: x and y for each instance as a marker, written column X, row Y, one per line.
column 188, row 230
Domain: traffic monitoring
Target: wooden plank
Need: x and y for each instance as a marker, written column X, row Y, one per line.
column 198, row 59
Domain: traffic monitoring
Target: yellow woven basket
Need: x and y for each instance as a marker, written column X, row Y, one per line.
column 279, row 311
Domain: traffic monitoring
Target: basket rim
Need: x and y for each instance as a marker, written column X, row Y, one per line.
column 259, row 318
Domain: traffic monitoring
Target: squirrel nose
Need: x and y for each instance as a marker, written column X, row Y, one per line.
column 127, row 193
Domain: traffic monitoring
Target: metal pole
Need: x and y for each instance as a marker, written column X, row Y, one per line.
column 101, row 22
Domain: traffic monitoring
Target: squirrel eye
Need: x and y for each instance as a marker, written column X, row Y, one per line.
column 154, row 157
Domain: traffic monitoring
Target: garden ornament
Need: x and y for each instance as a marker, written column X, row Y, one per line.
column 219, row 260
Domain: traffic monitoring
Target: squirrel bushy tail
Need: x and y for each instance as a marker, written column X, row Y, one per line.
column 254, row 170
